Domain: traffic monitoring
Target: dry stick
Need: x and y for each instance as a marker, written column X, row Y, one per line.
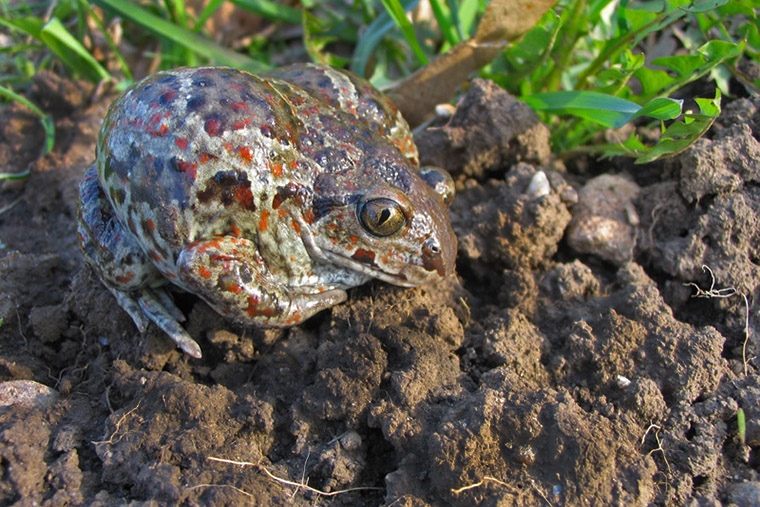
column 292, row 483
column 727, row 292
column 485, row 479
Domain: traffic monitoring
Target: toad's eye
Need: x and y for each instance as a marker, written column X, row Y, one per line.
column 381, row 217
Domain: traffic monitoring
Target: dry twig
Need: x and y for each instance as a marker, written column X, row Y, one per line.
column 727, row 292
column 293, row 483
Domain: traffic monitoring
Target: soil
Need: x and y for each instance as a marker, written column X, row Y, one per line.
column 544, row 373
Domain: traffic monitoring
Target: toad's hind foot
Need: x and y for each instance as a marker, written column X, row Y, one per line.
column 153, row 306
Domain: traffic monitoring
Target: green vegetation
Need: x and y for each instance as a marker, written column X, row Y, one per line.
column 586, row 66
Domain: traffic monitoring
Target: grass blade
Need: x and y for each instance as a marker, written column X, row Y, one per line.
column 208, row 11
column 109, row 40
column 271, row 10
column 396, row 11
column 193, row 41
column 47, row 120
column 445, row 22
column 71, row 51
column 372, row 37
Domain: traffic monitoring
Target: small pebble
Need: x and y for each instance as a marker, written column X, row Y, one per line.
column 539, row 186
column 27, row 393
column 605, row 219
column 623, row 382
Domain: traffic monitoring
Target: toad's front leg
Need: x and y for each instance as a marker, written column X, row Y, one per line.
column 230, row 274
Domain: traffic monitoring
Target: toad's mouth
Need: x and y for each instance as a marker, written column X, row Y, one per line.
column 363, row 262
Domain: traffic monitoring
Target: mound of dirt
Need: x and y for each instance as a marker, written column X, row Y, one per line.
column 537, row 375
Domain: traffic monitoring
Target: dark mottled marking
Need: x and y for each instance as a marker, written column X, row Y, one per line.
column 195, row 102
column 158, row 165
column 166, row 97
column 214, row 124
column 229, row 187
column 364, row 256
column 167, row 79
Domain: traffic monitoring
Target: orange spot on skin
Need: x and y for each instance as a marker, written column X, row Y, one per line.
column 245, row 153
column 239, row 124
column 126, row 278
column 156, row 257
column 204, row 272
column 353, row 240
column 205, row 157
column 252, row 302
column 190, row 169
column 235, row 232
column 277, row 170
column 263, row 221
column 309, row 217
column 151, row 225
column 281, row 213
column 239, row 106
column 365, row 256
column 181, row 143
column 234, row 288
column 244, row 196
column 296, row 227
column 213, row 127
column 171, row 275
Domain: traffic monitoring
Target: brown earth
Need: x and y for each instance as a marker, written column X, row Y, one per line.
column 539, row 375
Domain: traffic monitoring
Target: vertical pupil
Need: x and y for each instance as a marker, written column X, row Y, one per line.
column 384, row 216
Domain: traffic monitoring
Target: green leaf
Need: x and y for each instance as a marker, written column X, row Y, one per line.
column 661, row 109
column 688, row 67
column 182, row 36
column 741, row 425
column 47, row 122
column 682, row 134
column 607, row 110
column 315, row 42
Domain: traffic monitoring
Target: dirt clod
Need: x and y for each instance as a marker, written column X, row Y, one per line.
column 535, row 375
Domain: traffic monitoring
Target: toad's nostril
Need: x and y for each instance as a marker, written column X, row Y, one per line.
column 431, row 257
